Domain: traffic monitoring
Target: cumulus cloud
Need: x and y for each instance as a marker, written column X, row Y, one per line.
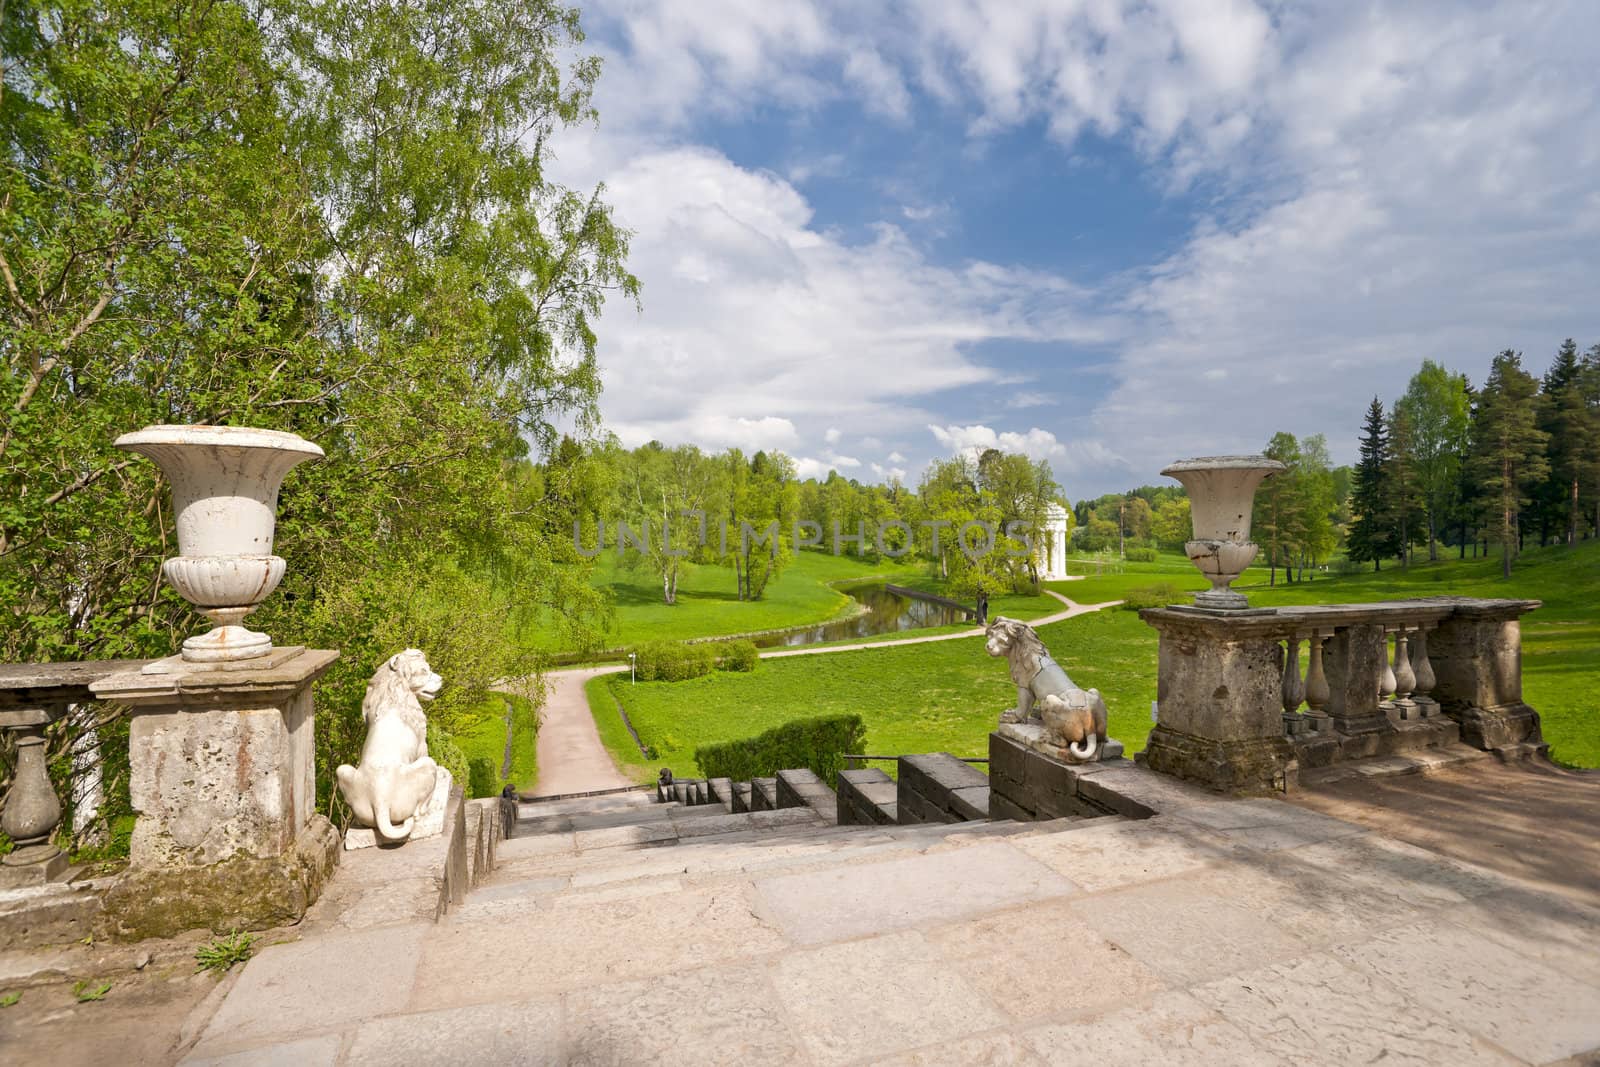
column 1377, row 184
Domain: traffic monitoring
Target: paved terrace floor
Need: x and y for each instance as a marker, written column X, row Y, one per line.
column 1220, row 932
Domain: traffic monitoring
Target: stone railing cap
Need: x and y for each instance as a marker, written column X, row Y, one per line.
column 68, row 682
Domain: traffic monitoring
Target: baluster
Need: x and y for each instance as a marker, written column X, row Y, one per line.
column 1292, row 690
column 1386, row 679
column 32, row 810
column 1426, row 705
column 1405, row 679
column 1316, row 685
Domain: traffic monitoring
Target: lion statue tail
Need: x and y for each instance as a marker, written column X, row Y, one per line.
column 387, row 830
column 1091, row 747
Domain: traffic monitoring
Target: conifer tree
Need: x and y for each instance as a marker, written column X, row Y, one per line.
column 1565, row 416
column 1508, row 458
column 1371, row 534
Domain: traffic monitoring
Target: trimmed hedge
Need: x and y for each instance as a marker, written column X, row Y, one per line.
column 739, row 656
column 819, row 743
column 1140, row 555
column 673, row 661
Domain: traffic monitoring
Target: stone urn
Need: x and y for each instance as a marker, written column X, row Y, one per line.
column 1222, row 493
column 225, row 483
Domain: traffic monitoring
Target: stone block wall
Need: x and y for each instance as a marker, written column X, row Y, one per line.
column 763, row 794
column 938, row 787
column 867, row 797
column 1026, row 785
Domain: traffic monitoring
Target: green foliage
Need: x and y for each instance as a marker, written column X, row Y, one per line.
column 1154, row 595
column 487, row 740
column 447, row 754
column 88, row 990
column 482, row 781
column 222, row 953
column 818, row 743
column 275, row 216
column 739, row 656
column 674, row 661
column 1140, row 555
column 8, row 999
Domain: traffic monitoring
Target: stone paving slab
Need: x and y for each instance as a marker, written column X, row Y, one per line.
column 288, row 991
column 1003, row 954
column 1105, row 853
column 843, row 902
column 518, row 1031
column 1315, row 1009
column 1172, row 1029
column 866, row 997
column 1521, row 1005
column 712, row 1015
column 1184, row 934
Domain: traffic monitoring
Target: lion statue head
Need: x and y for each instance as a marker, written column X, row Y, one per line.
column 400, row 687
column 1019, row 644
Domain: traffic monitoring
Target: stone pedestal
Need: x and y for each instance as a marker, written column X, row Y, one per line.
column 224, row 785
column 1219, row 696
column 1476, row 655
column 1028, row 785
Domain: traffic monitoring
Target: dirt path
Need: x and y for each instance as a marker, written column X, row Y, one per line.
column 571, row 757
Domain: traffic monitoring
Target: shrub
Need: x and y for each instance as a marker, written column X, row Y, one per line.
column 447, row 754
column 739, row 656
column 1140, row 555
column 1155, row 595
column 673, row 661
column 481, row 779
column 818, row 743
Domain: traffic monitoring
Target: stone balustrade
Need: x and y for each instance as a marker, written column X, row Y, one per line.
column 1237, row 712
column 32, row 696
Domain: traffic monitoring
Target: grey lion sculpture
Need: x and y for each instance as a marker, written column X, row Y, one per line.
column 1073, row 720
column 396, row 777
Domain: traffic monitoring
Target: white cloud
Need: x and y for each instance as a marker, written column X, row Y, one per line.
column 1382, row 182
column 755, row 323
column 896, row 457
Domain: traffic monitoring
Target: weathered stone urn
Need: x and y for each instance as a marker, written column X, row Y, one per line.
column 225, row 482
column 1222, row 492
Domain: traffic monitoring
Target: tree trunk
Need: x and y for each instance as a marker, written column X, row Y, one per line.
column 1433, row 538
column 1572, row 515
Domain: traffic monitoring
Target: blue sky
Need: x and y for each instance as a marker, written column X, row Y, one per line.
column 1107, row 233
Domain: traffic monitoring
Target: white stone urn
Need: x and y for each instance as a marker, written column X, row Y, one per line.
column 225, row 483
column 1222, row 493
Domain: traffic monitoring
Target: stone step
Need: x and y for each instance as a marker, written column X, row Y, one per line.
column 573, row 878
column 867, row 797
column 938, row 787
column 764, row 794
column 803, row 788
column 740, row 796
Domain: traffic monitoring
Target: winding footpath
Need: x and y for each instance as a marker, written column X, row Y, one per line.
column 572, row 759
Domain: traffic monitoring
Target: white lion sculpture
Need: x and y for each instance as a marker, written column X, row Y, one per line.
column 1052, row 715
column 396, row 778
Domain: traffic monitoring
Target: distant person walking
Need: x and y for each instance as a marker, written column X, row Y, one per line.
column 983, row 608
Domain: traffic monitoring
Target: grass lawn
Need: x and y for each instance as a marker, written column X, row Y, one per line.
column 942, row 696
column 945, row 696
column 488, row 740
column 708, row 604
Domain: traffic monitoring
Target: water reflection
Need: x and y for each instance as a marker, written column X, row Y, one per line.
column 886, row 612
